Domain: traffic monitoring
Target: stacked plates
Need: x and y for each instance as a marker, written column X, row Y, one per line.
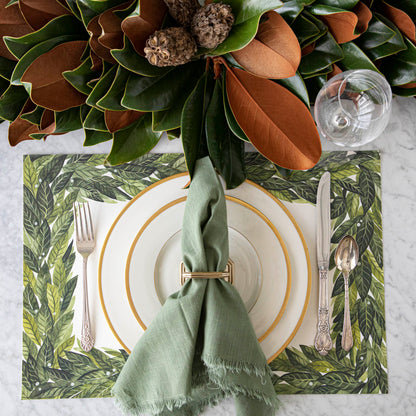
column 139, row 263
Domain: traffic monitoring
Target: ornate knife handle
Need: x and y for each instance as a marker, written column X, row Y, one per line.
column 323, row 342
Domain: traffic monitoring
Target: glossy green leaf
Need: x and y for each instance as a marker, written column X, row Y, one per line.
column 131, row 60
column 93, row 137
column 112, row 99
column 68, row 120
column 225, row 149
column 12, row 102
column 323, row 10
column 291, row 9
column 404, row 92
column 81, row 76
column 102, row 86
column 342, row 4
column 60, row 26
column 134, row 141
column 26, row 60
column 244, row 10
column 72, row 4
column 376, row 34
column 193, row 115
column 308, row 28
column 239, row 36
column 95, row 120
column 400, row 69
column 297, row 86
column 34, row 116
column 392, row 46
column 326, row 52
column 321, row 72
column 91, row 8
column 232, row 122
column 355, row 58
column 155, row 94
column 6, row 67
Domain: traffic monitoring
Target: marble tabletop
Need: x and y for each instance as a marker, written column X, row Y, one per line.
column 398, row 163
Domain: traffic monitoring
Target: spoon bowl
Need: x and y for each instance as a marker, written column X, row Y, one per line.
column 346, row 258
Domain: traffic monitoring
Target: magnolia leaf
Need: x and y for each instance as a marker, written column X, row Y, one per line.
column 112, row 99
column 274, row 52
column 102, row 86
column 12, row 23
column 344, row 25
column 34, row 116
column 39, row 12
column 401, row 19
column 6, row 68
column 308, row 29
column 325, row 53
column 93, row 137
column 94, row 29
column 225, row 149
column 34, row 53
column 265, row 111
column 155, row 94
column 117, row 120
column 192, row 123
column 355, row 58
column 111, row 35
column 12, row 102
column 20, row 130
column 95, row 120
column 290, row 10
column 129, row 59
column 133, row 141
column 49, row 88
column 400, row 69
column 91, row 8
column 296, row 85
column 404, row 92
column 392, row 46
column 145, row 19
column 342, row 4
column 60, row 26
column 68, row 120
column 81, row 76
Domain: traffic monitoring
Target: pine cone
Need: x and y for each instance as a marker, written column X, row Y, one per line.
column 170, row 47
column 211, row 24
column 182, row 10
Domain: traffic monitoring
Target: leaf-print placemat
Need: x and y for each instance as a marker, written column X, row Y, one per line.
column 54, row 366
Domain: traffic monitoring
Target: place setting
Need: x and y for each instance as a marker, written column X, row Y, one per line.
column 247, row 265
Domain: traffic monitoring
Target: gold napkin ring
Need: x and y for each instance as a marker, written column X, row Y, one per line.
column 227, row 274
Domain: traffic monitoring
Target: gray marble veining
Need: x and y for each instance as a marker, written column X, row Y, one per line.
column 398, row 147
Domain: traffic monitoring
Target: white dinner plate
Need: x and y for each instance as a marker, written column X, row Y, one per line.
column 262, row 268
column 122, row 240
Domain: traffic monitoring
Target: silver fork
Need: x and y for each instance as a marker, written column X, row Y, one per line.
column 85, row 245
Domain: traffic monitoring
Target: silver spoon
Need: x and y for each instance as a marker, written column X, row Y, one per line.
column 346, row 258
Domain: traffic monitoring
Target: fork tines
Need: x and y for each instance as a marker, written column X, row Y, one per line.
column 83, row 222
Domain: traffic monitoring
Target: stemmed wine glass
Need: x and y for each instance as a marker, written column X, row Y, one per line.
column 353, row 107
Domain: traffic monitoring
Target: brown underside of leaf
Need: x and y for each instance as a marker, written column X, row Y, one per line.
column 409, row 85
column 277, row 123
column 111, row 35
column 20, row 129
column 335, row 71
column 94, row 29
column 402, row 20
column 347, row 26
column 12, row 24
column 308, row 49
column 97, row 62
column 39, row 12
column 274, row 52
column 49, row 88
column 117, row 120
column 139, row 28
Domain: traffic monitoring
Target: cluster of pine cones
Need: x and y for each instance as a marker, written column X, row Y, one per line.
column 204, row 26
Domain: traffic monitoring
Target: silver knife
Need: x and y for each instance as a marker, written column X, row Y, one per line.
column 323, row 342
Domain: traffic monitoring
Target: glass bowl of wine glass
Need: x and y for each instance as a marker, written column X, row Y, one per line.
column 353, row 108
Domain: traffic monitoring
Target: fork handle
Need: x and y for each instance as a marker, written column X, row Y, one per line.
column 87, row 339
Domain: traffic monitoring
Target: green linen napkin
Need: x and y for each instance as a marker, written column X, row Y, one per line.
column 201, row 347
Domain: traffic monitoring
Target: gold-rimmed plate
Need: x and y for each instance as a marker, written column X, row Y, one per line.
column 115, row 250
column 261, row 262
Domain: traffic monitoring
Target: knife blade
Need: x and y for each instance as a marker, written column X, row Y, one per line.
column 323, row 342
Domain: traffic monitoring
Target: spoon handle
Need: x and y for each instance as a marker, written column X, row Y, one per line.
column 346, row 341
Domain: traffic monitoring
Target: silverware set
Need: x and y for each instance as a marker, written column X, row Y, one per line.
column 346, row 258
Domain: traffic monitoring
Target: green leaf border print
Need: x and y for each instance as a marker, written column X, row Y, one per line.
column 54, row 366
